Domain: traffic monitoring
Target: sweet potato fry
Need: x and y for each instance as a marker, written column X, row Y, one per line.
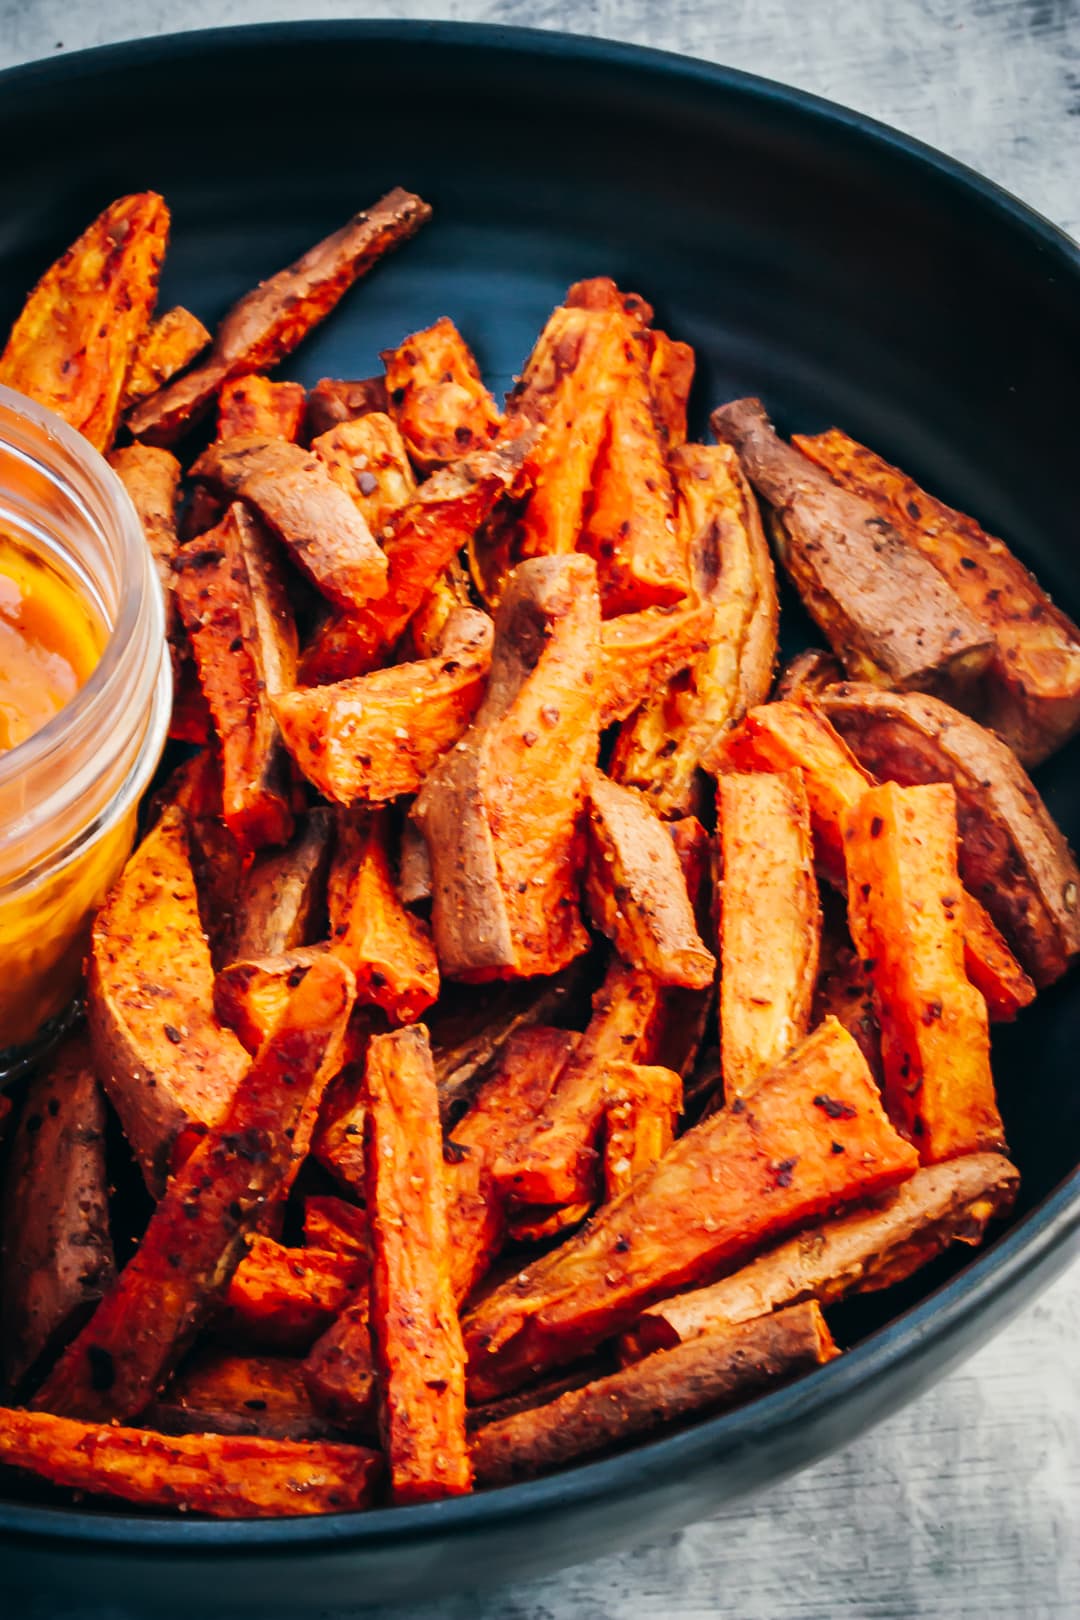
column 991, row 966
column 377, row 736
column 714, row 1371
column 641, row 652
column 851, row 1254
column 235, row 606
column 425, row 536
column 333, row 400
column 190, row 720
column 57, row 1251
column 225, row 1476
column 516, row 1090
column 164, row 1060
column 745, row 1175
column 221, row 1393
column 446, row 594
column 577, row 365
column 671, row 376
column 195, row 1237
column 770, row 924
column 367, row 457
column 501, row 812
column 887, row 612
column 152, row 477
column 293, row 492
column 415, row 1330
column 388, row 949
column 1032, row 686
column 792, row 735
column 171, row 343
column 72, row 346
column 284, row 1298
column 554, row 1160
column 903, row 911
column 437, row 397
column 660, row 748
column 1013, row 857
column 644, row 1103
column 635, row 889
column 334, row 1224
column 629, row 527
column 339, row 1372
column 282, row 894
column 269, row 322
column 468, row 1035
column 251, row 993
column 252, row 404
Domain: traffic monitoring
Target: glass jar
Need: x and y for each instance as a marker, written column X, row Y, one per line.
column 69, row 794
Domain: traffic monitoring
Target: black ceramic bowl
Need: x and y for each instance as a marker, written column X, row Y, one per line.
column 841, row 271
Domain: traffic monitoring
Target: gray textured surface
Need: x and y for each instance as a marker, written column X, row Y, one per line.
column 967, row 1504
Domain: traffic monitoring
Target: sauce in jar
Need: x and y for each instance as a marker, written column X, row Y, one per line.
column 50, row 642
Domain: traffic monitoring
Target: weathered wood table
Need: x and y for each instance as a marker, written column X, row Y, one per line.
column 967, row 1504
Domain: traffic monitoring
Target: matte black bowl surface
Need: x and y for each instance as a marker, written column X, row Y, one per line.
column 836, row 268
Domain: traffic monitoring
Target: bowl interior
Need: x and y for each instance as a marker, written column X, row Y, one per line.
column 839, row 273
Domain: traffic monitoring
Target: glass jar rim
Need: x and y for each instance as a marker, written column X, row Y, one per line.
column 135, row 573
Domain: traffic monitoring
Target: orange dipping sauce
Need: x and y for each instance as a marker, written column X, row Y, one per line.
column 50, row 643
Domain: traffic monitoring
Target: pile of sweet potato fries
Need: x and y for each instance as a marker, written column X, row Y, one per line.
column 526, row 1014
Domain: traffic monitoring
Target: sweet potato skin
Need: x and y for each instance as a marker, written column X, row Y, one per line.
column 268, row 322
column 235, row 606
column 172, row 341
column 1032, row 686
column 334, row 400
column 72, row 346
column 437, row 397
column 152, row 478
column 709, row 1373
column 151, row 979
column 282, row 893
column 903, row 893
column 886, row 611
column 728, row 1185
column 1013, row 858
column 225, row 1476
column 861, row 1252
column 415, row 1329
column 294, row 493
column 636, row 891
column 57, row 1250
column 388, row 949
column 501, row 812
column 195, row 1237
column 377, row 736
column 253, row 404
column 660, row 748
column 770, row 924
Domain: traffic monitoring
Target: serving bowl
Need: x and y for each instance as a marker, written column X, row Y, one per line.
column 841, row 271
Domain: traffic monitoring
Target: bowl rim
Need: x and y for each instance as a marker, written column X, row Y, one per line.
column 988, row 1277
